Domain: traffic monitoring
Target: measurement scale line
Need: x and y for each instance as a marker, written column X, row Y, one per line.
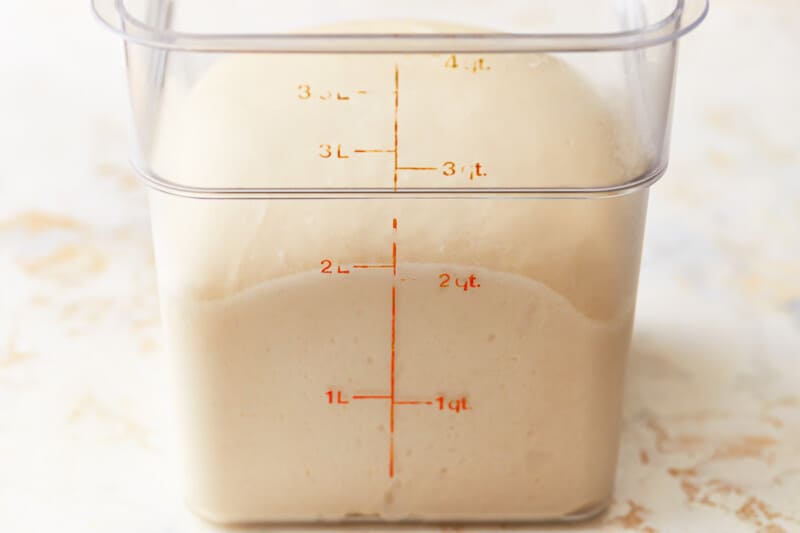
column 372, row 266
column 413, row 402
column 417, row 168
column 391, row 453
column 394, row 329
column 396, row 119
column 371, row 397
column 391, row 407
column 373, row 151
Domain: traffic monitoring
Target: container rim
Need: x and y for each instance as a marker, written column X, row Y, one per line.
column 113, row 14
column 156, row 182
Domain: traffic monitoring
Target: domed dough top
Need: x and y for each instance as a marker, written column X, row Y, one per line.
column 260, row 121
column 265, row 121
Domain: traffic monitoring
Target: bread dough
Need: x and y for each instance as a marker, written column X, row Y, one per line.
column 542, row 384
column 261, row 334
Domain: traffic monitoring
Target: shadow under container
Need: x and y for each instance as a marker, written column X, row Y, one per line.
column 398, row 259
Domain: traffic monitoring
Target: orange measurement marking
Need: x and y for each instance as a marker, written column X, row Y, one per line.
column 373, row 266
column 327, row 268
column 394, row 352
column 391, row 452
column 396, row 119
column 394, row 328
column 338, row 397
column 464, row 284
column 335, row 396
column 418, row 168
column 373, row 151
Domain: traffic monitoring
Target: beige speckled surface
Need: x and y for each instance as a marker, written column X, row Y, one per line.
column 712, row 425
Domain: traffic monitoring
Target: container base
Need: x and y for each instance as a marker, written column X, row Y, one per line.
column 583, row 514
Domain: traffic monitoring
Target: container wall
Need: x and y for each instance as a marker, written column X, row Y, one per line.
column 413, row 357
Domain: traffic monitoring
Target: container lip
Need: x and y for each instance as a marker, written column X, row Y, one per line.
column 686, row 16
column 158, row 183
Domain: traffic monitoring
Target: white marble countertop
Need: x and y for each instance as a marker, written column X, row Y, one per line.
column 712, row 411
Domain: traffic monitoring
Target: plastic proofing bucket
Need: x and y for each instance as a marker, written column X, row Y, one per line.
column 398, row 245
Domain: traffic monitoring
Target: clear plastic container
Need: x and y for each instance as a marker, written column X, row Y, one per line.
column 398, row 245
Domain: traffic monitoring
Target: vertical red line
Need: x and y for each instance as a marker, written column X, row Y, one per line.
column 392, row 393
column 391, row 453
column 394, row 337
column 396, row 119
column 394, row 351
